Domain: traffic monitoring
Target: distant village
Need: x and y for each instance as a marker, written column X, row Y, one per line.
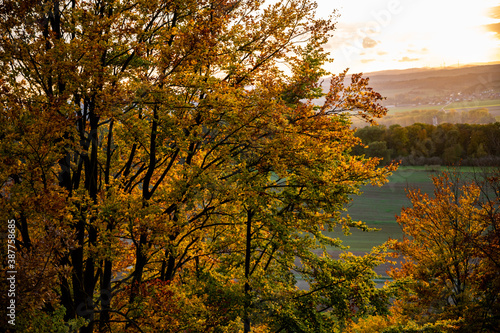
column 415, row 98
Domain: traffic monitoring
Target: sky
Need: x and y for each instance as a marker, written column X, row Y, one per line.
column 374, row 35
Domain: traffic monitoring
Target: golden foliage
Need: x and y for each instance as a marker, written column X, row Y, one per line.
column 155, row 151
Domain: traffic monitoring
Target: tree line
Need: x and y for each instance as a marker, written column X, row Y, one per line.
column 424, row 144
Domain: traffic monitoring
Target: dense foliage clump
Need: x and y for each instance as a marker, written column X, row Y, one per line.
column 423, row 144
column 165, row 174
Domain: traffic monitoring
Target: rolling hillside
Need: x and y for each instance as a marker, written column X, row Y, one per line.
column 436, row 90
column 437, row 86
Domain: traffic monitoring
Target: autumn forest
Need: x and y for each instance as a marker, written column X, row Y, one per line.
column 164, row 168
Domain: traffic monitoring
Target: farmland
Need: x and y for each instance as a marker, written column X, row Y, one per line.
column 378, row 206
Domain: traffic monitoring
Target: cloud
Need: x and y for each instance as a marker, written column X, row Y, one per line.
column 494, row 27
column 381, row 53
column 407, row 59
column 365, row 61
column 369, row 43
column 421, row 51
column 494, row 12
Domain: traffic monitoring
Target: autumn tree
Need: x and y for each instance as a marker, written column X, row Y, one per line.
column 451, row 275
column 167, row 173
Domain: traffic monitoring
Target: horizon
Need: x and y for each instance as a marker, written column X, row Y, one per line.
column 451, row 67
column 379, row 35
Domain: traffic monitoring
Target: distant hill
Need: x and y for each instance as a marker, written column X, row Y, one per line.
column 460, row 89
column 428, row 86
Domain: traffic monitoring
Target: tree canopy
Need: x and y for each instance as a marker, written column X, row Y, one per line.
column 452, row 251
column 423, row 144
column 167, row 170
column 449, row 280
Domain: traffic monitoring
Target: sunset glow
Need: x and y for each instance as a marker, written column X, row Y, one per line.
column 377, row 35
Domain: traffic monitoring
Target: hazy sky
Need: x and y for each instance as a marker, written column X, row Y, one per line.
column 376, row 35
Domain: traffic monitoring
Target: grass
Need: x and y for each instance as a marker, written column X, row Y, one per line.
column 455, row 105
column 474, row 104
column 360, row 241
column 378, row 207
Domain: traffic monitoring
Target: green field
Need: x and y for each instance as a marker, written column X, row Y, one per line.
column 455, row 105
column 378, row 206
